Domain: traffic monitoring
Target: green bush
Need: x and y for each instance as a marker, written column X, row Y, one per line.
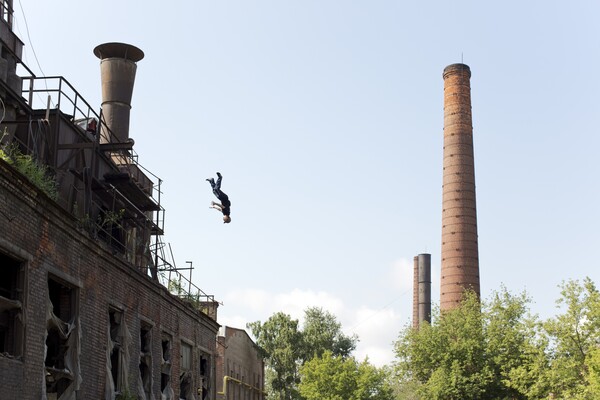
column 37, row 173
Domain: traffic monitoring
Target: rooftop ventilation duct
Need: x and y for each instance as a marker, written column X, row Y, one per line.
column 117, row 67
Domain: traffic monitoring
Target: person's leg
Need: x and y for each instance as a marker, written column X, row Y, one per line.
column 212, row 182
column 218, row 184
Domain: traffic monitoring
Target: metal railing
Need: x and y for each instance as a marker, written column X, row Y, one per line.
column 61, row 95
column 169, row 276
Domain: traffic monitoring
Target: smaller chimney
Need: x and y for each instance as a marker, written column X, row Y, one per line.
column 421, row 289
column 424, row 288
column 117, row 67
column 415, row 316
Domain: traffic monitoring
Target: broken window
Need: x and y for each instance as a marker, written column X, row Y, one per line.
column 61, row 360
column 145, row 377
column 204, row 376
column 165, row 369
column 186, row 377
column 117, row 359
column 11, row 305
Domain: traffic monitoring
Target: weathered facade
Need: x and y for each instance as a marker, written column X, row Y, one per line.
column 90, row 308
column 239, row 366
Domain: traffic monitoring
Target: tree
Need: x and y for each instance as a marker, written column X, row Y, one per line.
column 447, row 357
column 468, row 352
column 281, row 344
column 594, row 373
column 574, row 338
column 330, row 377
column 322, row 332
column 514, row 342
column 286, row 348
column 373, row 383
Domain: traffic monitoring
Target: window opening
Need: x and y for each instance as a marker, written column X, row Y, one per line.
column 146, row 360
column 186, row 378
column 11, row 307
column 118, row 353
column 165, row 370
column 62, row 370
column 204, row 376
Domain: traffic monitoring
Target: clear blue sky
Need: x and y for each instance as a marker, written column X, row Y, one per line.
column 325, row 118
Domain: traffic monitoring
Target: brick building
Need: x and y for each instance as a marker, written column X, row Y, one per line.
column 90, row 305
column 240, row 368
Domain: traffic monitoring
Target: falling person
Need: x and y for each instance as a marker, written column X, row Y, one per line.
column 223, row 198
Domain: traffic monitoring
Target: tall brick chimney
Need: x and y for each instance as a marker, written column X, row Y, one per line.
column 460, row 258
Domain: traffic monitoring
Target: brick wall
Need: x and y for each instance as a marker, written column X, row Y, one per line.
column 47, row 241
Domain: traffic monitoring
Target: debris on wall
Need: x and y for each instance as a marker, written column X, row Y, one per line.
column 117, row 355
column 186, row 385
column 62, row 374
column 166, row 391
column 144, row 386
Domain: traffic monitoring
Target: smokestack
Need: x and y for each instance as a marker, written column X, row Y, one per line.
column 415, row 317
column 422, row 289
column 424, row 261
column 118, row 67
column 460, row 258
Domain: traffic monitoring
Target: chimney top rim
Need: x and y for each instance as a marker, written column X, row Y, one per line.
column 120, row 50
column 454, row 68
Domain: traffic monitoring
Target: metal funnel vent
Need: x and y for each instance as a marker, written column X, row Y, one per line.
column 117, row 67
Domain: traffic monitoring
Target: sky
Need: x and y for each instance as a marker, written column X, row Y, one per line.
column 326, row 120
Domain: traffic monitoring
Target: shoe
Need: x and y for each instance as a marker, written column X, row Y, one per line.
column 219, row 174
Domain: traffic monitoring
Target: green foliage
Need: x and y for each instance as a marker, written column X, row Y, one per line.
column 330, row 377
column 174, row 286
column 322, row 332
column 497, row 350
column 510, row 335
column 373, row 383
column 110, row 218
column 574, row 337
column 286, row 347
column 4, row 156
column 467, row 352
column 281, row 343
column 593, row 362
column 36, row 173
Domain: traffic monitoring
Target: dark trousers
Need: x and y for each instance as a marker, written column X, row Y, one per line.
column 216, row 187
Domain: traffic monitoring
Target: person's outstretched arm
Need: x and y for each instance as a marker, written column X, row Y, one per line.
column 216, row 206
